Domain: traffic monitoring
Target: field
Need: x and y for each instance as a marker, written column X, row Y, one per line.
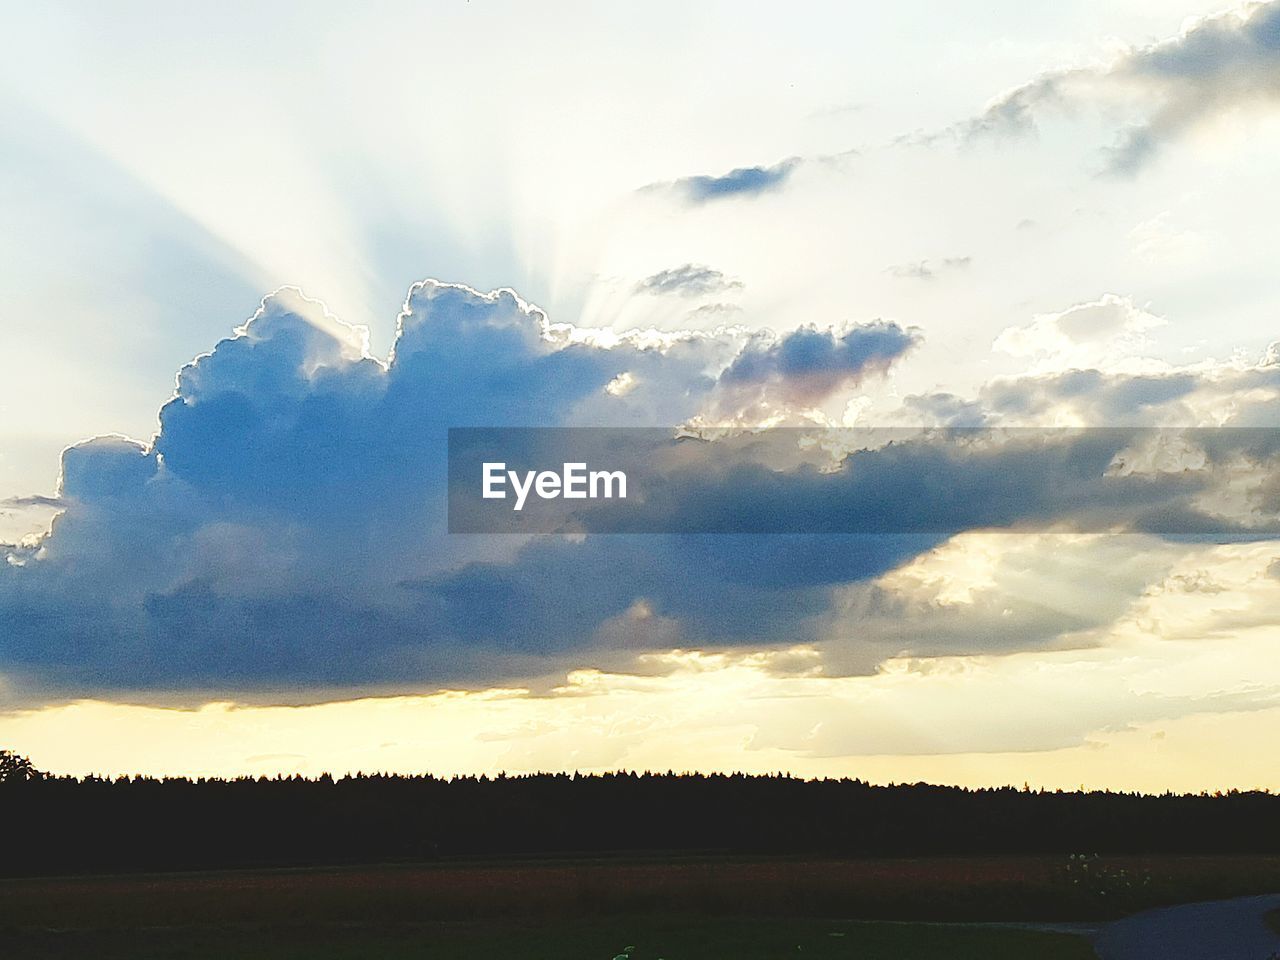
column 646, row 939
column 594, row 909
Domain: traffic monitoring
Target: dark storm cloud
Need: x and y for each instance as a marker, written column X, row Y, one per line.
column 893, row 482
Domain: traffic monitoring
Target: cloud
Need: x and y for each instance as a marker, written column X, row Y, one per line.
column 739, row 182
column 285, row 529
column 690, row 280
column 1172, row 87
column 294, row 482
column 984, row 593
column 715, row 311
column 748, row 181
column 1086, row 334
column 31, row 501
column 1157, row 240
column 944, row 409
column 1069, row 602
column 106, row 468
column 1231, row 393
column 929, row 269
column 709, row 590
column 1085, row 372
column 825, row 481
column 806, row 367
column 1092, row 396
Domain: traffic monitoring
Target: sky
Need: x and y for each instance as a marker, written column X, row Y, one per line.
column 255, row 262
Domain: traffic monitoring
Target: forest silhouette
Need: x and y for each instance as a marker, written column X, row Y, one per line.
column 62, row 824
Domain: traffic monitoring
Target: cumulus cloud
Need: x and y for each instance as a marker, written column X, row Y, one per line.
column 1084, row 335
column 286, row 524
column 294, row 482
column 690, row 280
column 285, row 529
column 1216, row 64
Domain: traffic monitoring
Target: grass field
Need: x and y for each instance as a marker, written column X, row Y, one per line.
column 648, row 939
column 963, row 889
column 593, row 909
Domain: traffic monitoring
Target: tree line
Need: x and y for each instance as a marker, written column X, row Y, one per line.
column 59, row 824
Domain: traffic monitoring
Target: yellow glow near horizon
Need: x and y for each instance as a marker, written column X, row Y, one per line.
column 476, row 734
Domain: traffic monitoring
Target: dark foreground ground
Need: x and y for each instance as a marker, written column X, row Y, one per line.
column 711, row 909
column 646, row 938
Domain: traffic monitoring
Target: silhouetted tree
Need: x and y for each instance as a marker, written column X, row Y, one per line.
column 15, row 767
column 77, row 825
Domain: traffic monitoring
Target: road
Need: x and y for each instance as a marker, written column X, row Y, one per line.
column 1219, row 930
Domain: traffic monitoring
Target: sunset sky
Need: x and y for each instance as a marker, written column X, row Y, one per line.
column 256, row 262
